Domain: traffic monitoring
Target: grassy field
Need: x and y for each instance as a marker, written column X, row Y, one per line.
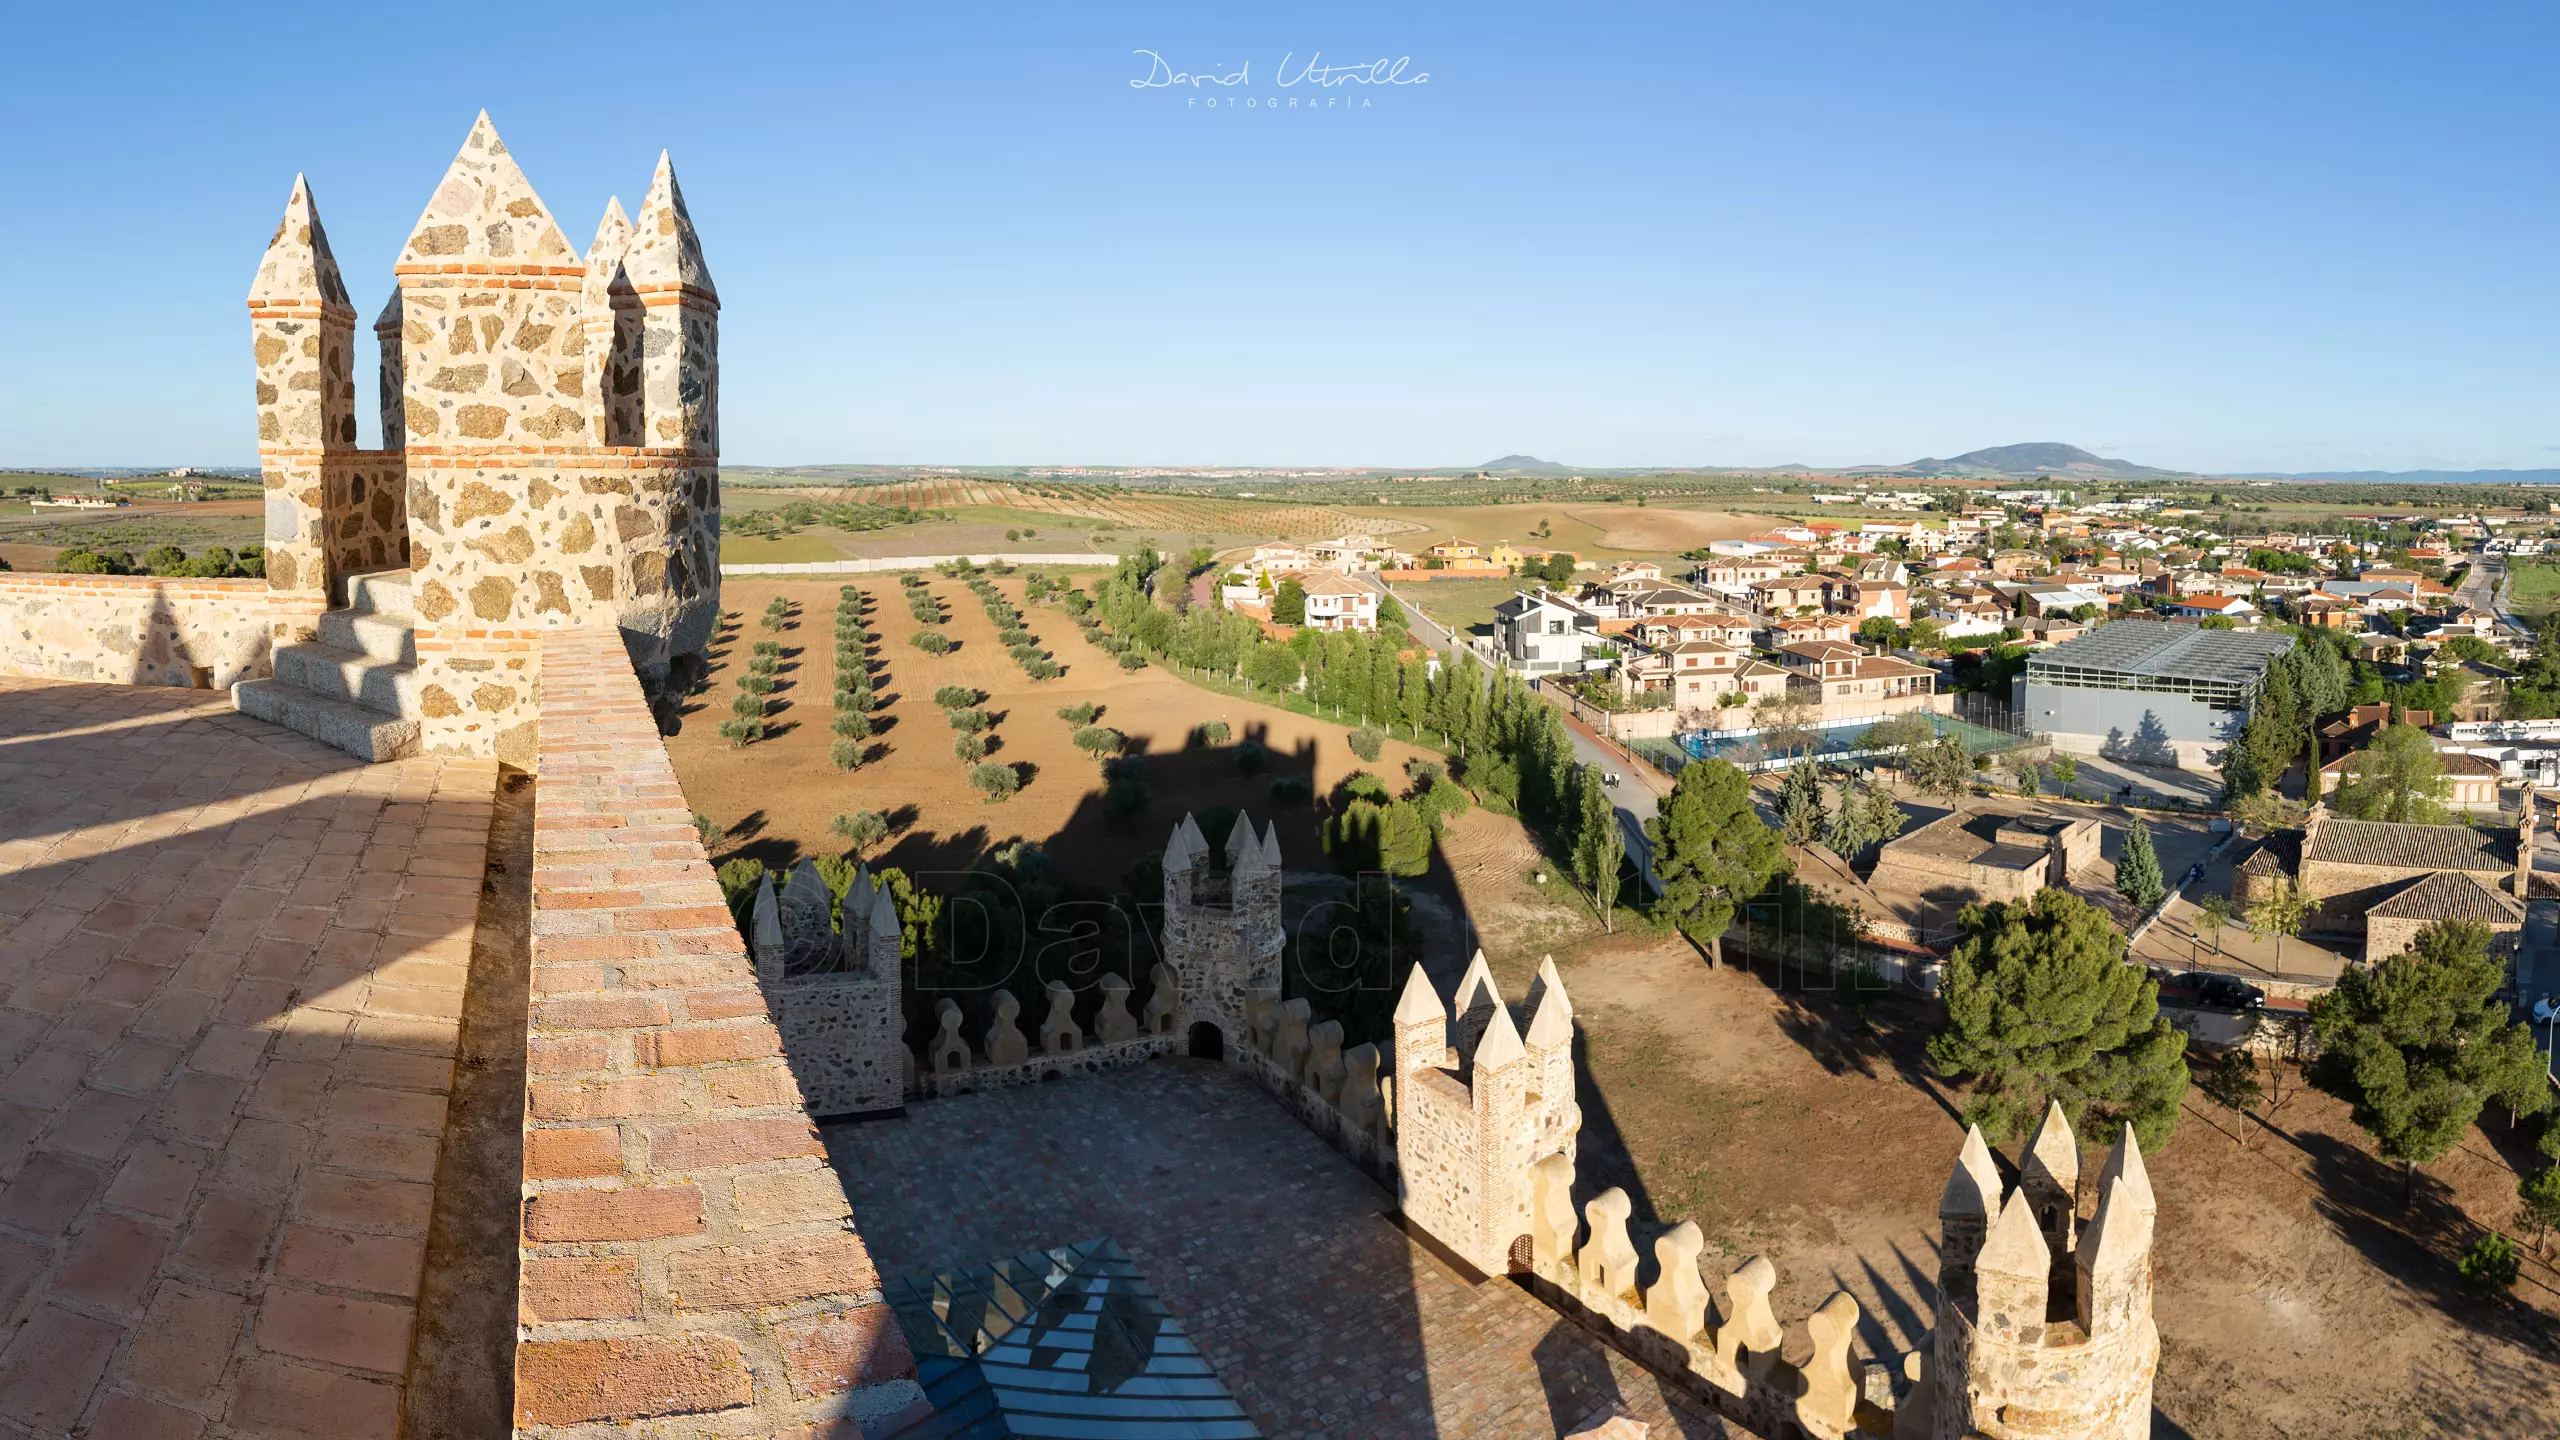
column 1465, row 606
column 1608, row 532
column 2535, row 587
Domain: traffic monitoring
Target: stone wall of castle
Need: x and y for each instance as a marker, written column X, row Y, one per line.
column 145, row 630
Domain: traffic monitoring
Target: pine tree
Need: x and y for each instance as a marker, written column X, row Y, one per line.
column 2419, row 1043
column 1884, row 815
column 2041, row 1008
column 1710, row 851
column 2138, row 870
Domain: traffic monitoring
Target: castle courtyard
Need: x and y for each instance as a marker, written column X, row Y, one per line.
column 1279, row 1258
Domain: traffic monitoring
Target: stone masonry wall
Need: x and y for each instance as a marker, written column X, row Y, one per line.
column 366, row 518
column 145, row 630
column 505, row 545
column 688, row 1263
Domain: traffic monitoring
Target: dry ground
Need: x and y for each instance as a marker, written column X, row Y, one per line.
column 2296, row 1298
column 779, row 795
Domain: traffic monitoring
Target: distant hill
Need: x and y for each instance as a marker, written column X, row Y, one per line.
column 1524, row 465
column 2068, row 462
column 2420, row 477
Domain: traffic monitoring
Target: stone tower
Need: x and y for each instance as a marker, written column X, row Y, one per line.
column 1473, row 1119
column 2044, row 1327
column 834, row 993
column 551, row 426
column 1222, row 934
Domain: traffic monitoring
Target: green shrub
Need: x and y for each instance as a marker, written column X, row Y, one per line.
column 1292, row 790
column 847, row 754
column 1213, row 732
column 1250, row 755
column 971, row 747
column 967, row 719
column 747, row 705
column 1133, row 661
column 1079, row 714
column 164, row 559
column 1099, row 740
column 2489, row 1264
column 1366, row 742
column 768, row 649
column 755, row 684
column 853, row 725
column 955, row 697
column 931, row 642
column 742, row 733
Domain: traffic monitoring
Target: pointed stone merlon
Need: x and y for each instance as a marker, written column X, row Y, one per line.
column 764, row 931
column 888, row 940
column 2049, row 1174
column 2114, row 1262
column 1829, row 1405
column 302, row 339
column 1477, row 1000
column 1966, row 1206
column 609, row 314
column 2013, row 1275
column 680, row 347
column 1183, row 849
column 392, row 383
column 2124, row 1162
column 1421, row 1029
column 490, row 299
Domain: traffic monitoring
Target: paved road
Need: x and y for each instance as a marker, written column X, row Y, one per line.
column 1634, row 793
column 2484, row 587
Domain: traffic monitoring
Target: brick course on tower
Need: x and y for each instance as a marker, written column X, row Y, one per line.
column 551, row 426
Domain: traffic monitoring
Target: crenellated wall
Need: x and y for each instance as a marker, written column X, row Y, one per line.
column 144, row 629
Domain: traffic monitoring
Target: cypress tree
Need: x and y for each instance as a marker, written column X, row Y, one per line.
column 2138, row 871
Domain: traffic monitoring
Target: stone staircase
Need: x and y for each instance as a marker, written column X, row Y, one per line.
column 356, row 687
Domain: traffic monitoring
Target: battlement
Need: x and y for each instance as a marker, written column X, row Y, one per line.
column 2044, row 1320
column 1476, row 1104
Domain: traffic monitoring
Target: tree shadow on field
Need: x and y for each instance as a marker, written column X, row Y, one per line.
column 2416, row 1243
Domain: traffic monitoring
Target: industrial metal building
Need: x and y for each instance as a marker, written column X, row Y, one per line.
column 2148, row 691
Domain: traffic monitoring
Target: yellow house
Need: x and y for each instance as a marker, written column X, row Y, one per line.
column 1503, row 555
column 1454, row 550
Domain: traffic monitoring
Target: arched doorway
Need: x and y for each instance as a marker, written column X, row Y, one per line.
column 1208, row 1042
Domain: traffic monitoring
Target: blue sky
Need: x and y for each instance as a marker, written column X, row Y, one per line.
column 2219, row 235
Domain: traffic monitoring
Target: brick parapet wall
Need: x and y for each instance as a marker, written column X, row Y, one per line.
column 145, row 629
column 689, row 1266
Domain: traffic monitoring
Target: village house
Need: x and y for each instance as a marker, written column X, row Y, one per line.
column 1845, row 680
column 1541, row 633
column 1337, row 603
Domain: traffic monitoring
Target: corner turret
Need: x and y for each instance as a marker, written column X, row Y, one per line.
column 680, row 331
column 302, row 335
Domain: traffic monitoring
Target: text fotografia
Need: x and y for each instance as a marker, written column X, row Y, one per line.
column 1311, row 85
